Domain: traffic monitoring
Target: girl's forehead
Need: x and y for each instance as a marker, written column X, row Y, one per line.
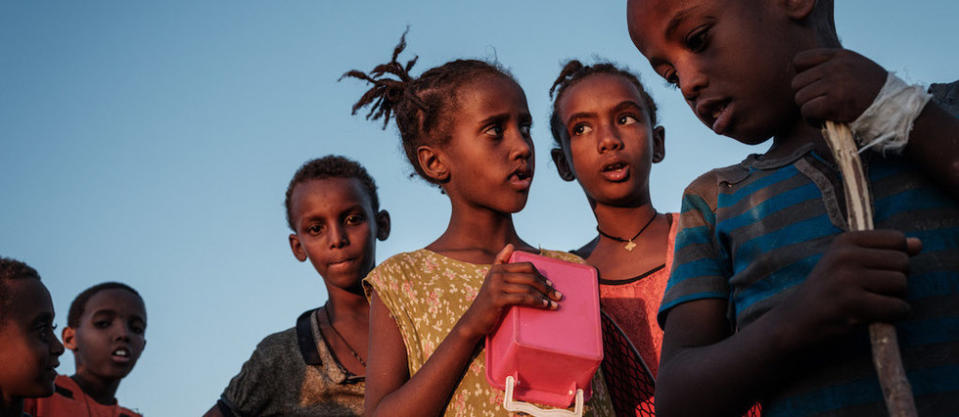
column 490, row 93
column 595, row 89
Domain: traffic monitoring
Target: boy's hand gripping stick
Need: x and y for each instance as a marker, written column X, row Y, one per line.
column 885, row 347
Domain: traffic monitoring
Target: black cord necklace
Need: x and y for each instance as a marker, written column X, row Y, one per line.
column 326, row 309
column 630, row 245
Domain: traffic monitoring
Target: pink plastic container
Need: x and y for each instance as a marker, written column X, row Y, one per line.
column 550, row 355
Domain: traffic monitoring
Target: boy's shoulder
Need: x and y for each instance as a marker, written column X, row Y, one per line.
column 947, row 96
column 69, row 399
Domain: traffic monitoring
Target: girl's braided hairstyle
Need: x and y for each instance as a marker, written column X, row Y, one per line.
column 573, row 72
column 423, row 106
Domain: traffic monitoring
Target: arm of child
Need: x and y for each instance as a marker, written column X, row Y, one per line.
column 391, row 391
column 839, row 85
column 707, row 370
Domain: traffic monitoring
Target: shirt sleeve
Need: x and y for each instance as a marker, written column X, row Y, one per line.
column 259, row 387
column 700, row 266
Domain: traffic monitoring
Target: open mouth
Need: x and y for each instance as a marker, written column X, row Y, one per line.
column 615, row 171
column 121, row 355
column 716, row 114
column 521, row 178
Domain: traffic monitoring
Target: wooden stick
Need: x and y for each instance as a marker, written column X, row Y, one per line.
column 885, row 346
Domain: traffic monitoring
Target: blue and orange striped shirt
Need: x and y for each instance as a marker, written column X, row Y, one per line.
column 750, row 233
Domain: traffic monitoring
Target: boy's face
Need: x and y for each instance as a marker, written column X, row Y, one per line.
column 111, row 335
column 336, row 229
column 28, row 347
column 732, row 59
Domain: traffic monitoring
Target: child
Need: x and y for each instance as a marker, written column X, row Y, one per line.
column 605, row 125
column 769, row 295
column 318, row 366
column 105, row 331
column 465, row 128
column 28, row 347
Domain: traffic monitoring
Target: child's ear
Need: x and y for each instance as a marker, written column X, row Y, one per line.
column 798, row 9
column 562, row 166
column 433, row 163
column 297, row 248
column 382, row 225
column 659, row 144
column 69, row 337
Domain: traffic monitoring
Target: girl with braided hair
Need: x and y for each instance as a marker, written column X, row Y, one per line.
column 465, row 128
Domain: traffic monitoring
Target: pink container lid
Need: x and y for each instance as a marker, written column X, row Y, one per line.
column 550, row 354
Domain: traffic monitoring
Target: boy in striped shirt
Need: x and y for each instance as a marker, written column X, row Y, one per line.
column 770, row 294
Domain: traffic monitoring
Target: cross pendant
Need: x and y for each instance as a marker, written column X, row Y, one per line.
column 629, row 246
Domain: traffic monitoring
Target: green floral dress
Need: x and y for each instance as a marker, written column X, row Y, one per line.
column 426, row 294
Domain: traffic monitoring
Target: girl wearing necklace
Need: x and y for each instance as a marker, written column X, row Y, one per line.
column 605, row 125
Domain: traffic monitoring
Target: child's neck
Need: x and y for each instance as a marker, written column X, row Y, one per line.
column 102, row 390
column 623, row 221
column 801, row 134
column 347, row 305
column 476, row 236
column 10, row 406
column 641, row 225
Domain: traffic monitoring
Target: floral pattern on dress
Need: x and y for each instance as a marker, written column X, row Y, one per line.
column 426, row 294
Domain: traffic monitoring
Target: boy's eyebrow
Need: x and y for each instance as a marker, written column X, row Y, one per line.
column 678, row 19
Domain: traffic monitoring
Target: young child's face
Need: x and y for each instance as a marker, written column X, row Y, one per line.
column 490, row 156
column 28, row 347
column 731, row 59
column 111, row 335
column 609, row 139
column 336, row 229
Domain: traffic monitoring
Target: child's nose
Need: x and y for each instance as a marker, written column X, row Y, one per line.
column 338, row 237
column 691, row 82
column 56, row 348
column 522, row 147
column 609, row 140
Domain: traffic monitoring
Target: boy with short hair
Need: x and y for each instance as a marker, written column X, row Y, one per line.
column 318, row 367
column 28, row 347
column 105, row 330
column 770, row 295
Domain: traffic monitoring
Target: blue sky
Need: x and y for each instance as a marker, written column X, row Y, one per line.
column 151, row 143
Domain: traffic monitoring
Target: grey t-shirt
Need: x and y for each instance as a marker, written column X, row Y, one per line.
column 293, row 373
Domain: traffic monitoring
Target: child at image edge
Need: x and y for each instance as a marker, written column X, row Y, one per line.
column 28, row 347
column 318, row 367
column 465, row 127
column 106, row 328
column 770, row 295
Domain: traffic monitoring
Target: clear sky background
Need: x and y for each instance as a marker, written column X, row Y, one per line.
column 152, row 142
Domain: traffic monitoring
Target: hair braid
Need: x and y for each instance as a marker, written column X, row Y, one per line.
column 422, row 107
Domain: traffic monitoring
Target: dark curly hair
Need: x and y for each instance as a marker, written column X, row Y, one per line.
column 330, row 166
column 79, row 303
column 11, row 269
column 423, row 106
column 574, row 71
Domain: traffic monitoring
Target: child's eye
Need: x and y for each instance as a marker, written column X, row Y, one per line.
column 314, row 229
column 137, row 329
column 101, row 324
column 354, row 219
column 580, row 129
column 626, row 119
column 524, row 129
column 672, row 79
column 696, row 40
column 494, row 131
